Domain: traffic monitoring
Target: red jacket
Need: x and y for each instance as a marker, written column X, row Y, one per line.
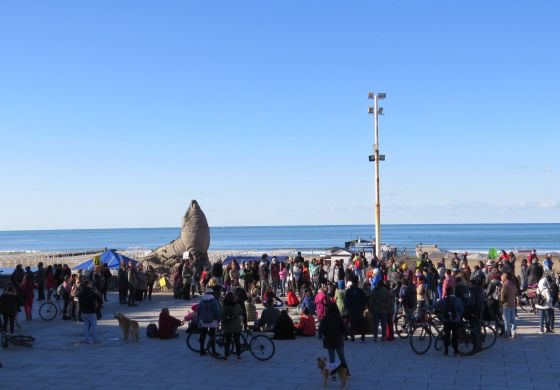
column 292, row 299
column 167, row 326
column 307, row 324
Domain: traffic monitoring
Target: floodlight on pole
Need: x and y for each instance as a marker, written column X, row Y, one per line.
column 376, row 110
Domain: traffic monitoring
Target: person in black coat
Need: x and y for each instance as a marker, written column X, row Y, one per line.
column 332, row 329
column 123, row 283
column 355, row 302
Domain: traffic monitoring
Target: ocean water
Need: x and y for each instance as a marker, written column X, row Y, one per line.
column 470, row 237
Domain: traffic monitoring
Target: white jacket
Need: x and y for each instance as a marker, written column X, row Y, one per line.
column 544, row 289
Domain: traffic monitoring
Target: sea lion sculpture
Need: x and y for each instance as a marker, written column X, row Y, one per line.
column 194, row 238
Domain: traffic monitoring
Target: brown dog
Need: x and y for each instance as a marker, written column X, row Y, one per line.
column 341, row 370
column 128, row 327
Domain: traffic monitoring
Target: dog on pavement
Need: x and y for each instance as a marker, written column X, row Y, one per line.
column 128, row 327
column 340, row 370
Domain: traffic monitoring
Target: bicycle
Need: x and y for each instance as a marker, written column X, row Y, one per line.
column 49, row 310
column 16, row 339
column 404, row 324
column 526, row 301
column 260, row 346
column 465, row 340
column 420, row 337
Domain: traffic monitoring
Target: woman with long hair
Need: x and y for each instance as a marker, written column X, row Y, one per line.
column 332, row 329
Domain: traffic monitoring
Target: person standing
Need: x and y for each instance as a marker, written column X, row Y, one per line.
column 105, row 280
column 545, row 307
column 131, row 278
column 508, row 296
column 151, row 278
column 209, row 315
column 263, row 273
column 9, row 304
column 378, row 306
column 332, row 330
column 451, row 310
column 232, row 316
column 27, row 291
column 187, row 275
column 141, row 283
column 123, row 283
column 40, row 282
column 90, row 302
column 355, row 302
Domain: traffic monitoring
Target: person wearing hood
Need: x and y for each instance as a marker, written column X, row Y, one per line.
column 209, row 315
column 546, row 309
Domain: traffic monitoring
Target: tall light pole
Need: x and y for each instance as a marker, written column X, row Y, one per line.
column 376, row 111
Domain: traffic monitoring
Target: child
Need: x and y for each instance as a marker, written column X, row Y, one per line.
column 308, row 302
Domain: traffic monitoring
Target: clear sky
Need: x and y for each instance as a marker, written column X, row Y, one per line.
column 116, row 114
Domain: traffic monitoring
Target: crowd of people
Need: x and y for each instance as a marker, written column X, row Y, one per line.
column 368, row 295
column 337, row 301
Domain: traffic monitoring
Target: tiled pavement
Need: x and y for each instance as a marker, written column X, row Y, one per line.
column 59, row 360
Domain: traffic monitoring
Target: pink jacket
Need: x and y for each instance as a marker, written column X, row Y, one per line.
column 321, row 302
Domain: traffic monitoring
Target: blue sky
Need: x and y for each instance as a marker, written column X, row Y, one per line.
column 116, row 114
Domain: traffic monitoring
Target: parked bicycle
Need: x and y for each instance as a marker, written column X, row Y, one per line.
column 50, row 309
column 259, row 345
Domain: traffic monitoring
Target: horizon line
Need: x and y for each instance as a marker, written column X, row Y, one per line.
column 272, row 226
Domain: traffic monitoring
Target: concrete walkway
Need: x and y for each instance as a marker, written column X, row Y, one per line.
column 60, row 360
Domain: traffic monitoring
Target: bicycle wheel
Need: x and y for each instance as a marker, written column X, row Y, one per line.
column 193, row 342
column 522, row 303
column 48, row 311
column 466, row 345
column 24, row 341
column 216, row 346
column 402, row 325
column 262, row 347
column 439, row 343
column 421, row 339
column 489, row 336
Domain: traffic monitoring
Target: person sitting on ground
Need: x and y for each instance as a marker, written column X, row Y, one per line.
column 306, row 324
column 308, row 302
column 167, row 326
column 284, row 329
column 269, row 294
column 293, row 300
column 269, row 316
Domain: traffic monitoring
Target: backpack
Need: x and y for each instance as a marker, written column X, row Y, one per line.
column 152, row 331
column 450, row 314
column 205, row 312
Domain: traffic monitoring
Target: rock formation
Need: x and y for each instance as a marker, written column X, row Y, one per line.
column 194, row 238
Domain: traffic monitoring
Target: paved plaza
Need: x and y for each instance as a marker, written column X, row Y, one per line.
column 59, row 360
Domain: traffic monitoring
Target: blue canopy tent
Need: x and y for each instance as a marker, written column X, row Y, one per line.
column 111, row 257
column 241, row 259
